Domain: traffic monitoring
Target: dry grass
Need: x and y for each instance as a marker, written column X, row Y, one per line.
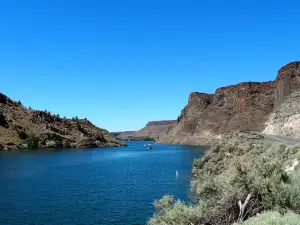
column 9, row 137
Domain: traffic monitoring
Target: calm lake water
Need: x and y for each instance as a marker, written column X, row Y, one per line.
column 96, row 186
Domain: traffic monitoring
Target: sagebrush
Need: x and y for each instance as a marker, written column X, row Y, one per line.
column 231, row 172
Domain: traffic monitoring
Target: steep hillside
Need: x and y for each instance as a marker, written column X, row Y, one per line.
column 18, row 125
column 155, row 129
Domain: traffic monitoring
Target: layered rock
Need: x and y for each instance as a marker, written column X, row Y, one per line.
column 18, row 123
column 244, row 106
column 285, row 120
column 241, row 107
column 287, row 81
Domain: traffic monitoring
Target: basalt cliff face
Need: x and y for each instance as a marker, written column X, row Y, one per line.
column 244, row 106
column 155, row 129
column 18, row 123
column 287, row 81
column 285, row 120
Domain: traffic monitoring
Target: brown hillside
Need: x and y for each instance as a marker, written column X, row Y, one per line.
column 17, row 123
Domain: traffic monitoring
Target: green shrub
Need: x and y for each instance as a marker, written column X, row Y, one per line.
column 229, row 172
column 145, row 138
column 273, row 218
column 32, row 141
column 288, row 195
column 176, row 213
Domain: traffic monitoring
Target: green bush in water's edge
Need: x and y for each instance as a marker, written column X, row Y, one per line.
column 32, row 141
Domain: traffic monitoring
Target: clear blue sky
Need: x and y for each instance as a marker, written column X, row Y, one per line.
column 122, row 63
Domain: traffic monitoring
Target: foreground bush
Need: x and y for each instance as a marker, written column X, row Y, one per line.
column 273, row 218
column 235, row 180
column 176, row 213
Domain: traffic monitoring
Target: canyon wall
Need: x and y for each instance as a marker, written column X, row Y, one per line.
column 285, row 119
column 240, row 107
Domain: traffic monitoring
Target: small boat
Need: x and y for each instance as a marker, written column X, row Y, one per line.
column 149, row 147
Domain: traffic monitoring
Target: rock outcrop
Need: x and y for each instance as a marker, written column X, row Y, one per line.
column 241, row 107
column 154, row 129
column 287, row 81
column 18, row 123
column 285, row 120
column 244, row 106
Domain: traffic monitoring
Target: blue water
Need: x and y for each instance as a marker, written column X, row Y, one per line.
column 96, row 186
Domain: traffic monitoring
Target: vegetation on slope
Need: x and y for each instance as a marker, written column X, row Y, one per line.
column 234, row 181
column 22, row 127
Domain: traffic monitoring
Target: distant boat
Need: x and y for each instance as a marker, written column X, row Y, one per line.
column 149, row 147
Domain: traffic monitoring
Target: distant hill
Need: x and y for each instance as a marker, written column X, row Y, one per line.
column 151, row 131
column 124, row 135
column 22, row 127
column 154, row 129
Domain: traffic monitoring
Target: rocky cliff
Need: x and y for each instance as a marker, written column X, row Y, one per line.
column 245, row 106
column 155, row 129
column 285, row 120
column 18, row 124
column 287, row 81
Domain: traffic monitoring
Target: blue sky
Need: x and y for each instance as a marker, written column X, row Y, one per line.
column 123, row 63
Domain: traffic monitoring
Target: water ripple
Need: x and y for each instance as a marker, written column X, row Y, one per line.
column 99, row 186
